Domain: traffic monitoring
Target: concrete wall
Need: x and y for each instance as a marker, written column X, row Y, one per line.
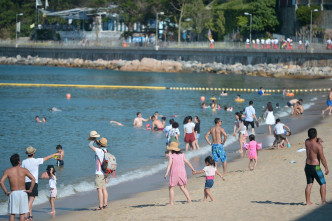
column 244, row 57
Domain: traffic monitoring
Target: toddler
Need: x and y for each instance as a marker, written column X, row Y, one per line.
column 52, row 184
column 253, row 146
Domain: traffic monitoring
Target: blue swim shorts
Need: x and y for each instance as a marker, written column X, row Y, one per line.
column 209, row 184
column 329, row 103
column 218, row 152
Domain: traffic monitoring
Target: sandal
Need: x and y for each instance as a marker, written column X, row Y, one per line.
column 29, row 218
column 99, row 208
column 104, row 207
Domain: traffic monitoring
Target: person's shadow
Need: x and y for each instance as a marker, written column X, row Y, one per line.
column 279, row 203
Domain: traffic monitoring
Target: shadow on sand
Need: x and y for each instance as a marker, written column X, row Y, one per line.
column 279, row 203
column 322, row 213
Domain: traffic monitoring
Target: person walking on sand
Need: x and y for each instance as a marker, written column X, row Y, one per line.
column 32, row 164
column 269, row 119
column 100, row 178
column 241, row 129
column 329, row 104
column 217, row 143
column 177, row 170
column 252, row 155
column 17, row 197
column 250, row 116
column 197, row 131
column 315, row 155
column 138, row 121
column 210, row 171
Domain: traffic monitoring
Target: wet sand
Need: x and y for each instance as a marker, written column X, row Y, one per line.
column 275, row 190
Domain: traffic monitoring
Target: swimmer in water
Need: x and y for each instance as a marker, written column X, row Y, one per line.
column 44, row 120
column 156, row 124
column 163, row 120
column 261, row 91
column 138, row 122
column 228, row 108
column 37, row 119
column 117, row 123
column 54, row 109
column 156, row 114
column 214, row 106
column 218, row 107
column 223, row 93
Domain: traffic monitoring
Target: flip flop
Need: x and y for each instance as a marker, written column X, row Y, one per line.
column 99, row 208
column 104, row 207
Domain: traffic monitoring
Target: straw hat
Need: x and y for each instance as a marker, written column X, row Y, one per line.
column 173, row 146
column 102, row 142
column 30, row 150
column 94, row 134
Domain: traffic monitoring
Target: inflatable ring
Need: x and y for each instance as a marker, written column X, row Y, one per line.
column 213, row 98
column 290, row 94
column 239, row 100
column 266, row 94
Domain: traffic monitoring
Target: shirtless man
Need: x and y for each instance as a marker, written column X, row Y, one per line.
column 156, row 124
column 293, row 102
column 315, row 154
column 138, row 122
column 329, row 103
column 18, row 197
column 217, row 144
column 298, row 108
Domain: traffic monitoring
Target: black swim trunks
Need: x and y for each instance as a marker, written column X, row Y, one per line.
column 252, row 124
column 59, row 163
column 34, row 190
column 314, row 172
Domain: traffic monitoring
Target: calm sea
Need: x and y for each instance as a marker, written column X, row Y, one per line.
column 139, row 152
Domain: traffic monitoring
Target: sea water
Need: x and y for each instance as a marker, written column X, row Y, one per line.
column 139, row 152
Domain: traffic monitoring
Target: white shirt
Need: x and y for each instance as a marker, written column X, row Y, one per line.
column 32, row 164
column 52, row 182
column 189, row 127
column 210, row 170
column 300, row 42
column 247, row 41
column 99, row 160
column 263, row 41
column 279, row 128
column 250, row 110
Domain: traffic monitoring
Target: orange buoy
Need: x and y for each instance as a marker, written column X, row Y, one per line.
column 202, row 98
column 68, row 96
column 124, row 44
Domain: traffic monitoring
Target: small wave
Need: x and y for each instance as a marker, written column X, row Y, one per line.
column 314, row 99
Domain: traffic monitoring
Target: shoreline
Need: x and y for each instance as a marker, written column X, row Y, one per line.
column 279, row 70
column 273, row 173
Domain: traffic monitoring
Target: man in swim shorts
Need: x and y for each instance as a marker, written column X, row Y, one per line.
column 217, row 144
column 17, row 197
column 156, row 124
column 293, row 102
column 138, row 122
column 329, row 103
column 315, row 154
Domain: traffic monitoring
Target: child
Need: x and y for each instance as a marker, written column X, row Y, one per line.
column 210, row 171
column 52, row 184
column 279, row 133
column 173, row 134
column 59, row 159
column 178, row 175
column 252, row 148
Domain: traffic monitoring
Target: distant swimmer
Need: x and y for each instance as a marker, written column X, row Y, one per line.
column 117, row 123
column 37, row 119
column 44, row 120
column 293, row 102
column 204, row 106
column 223, row 93
column 138, row 121
column 54, row 109
column 156, row 114
column 329, row 103
column 163, row 121
column 261, row 91
column 214, row 106
column 156, row 124
column 298, row 108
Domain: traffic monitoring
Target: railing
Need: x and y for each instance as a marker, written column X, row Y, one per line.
column 315, row 47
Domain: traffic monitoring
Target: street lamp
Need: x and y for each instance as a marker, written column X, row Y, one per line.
column 315, row 10
column 21, row 14
column 246, row 13
column 157, row 26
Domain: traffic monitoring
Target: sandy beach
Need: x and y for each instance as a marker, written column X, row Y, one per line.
column 274, row 191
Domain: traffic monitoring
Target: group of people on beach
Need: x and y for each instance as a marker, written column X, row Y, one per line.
column 23, row 176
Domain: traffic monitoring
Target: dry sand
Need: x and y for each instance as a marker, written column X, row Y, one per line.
column 274, row 191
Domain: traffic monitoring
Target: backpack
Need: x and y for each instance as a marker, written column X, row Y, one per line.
column 108, row 166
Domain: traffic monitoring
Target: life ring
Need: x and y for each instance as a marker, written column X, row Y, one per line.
column 290, row 94
column 266, row 94
column 239, row 100
column 213, row 98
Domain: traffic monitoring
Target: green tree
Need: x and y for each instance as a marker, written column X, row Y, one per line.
column 303, row 14
column 264, row 15
column 217, row 24
column 181, row 7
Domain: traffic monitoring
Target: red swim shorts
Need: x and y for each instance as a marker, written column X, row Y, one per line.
column 189, row 138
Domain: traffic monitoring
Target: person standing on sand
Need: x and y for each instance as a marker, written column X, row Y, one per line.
column 329, row 103
column 315, row 155
column 177, row 170
column 138, row 122
column 100, row 179
column 217, row 144
column 269, row 117
column 32, row 164
column 18, row 198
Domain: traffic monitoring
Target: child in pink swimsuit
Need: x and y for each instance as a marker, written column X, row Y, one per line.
column 252, row 148
column 178, row 175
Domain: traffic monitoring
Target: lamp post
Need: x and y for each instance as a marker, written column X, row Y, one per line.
column 246, row 13
column 21, row 14
column 157, row 27
column 315, row 10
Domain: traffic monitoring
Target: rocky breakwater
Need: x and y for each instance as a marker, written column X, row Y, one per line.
column 152, row 65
